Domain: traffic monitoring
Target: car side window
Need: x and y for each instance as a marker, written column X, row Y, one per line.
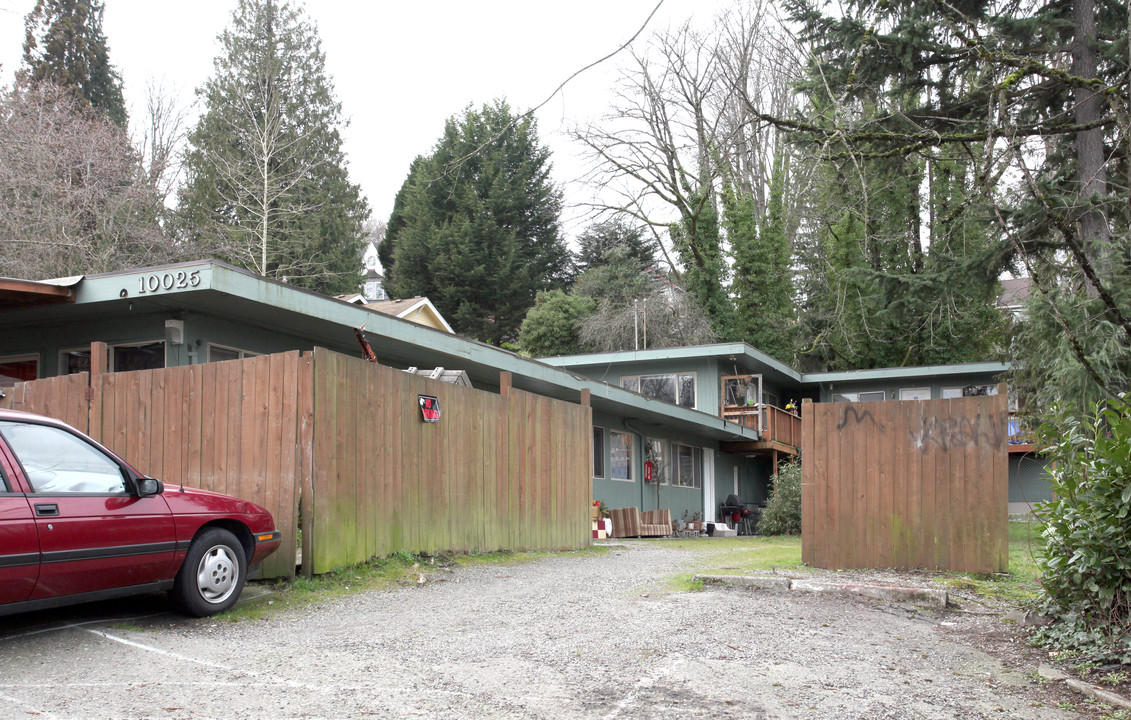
column 55, row 461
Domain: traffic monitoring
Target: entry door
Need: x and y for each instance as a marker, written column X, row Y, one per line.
column 19, row 545
column 94, row 534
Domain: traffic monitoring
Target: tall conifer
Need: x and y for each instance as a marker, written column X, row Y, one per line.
column 267, row 185
column 64, row 44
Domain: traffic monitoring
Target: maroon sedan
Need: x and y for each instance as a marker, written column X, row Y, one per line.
column 77, row 524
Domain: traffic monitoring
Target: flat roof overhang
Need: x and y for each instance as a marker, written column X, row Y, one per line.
column 15, row 293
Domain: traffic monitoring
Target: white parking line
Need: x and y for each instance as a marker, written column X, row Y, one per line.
column 27, row 709
column 270, row 679
column 167, row 653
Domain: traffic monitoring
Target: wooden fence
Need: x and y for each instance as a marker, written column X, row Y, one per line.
column 916, row 484
column 340, row 443
column 504, row 471
column 231, row 427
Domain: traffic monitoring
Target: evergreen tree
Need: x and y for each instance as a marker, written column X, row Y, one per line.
column 976, row 100
column 595, row 243
column 553, row 325
column 697, row 242
column 266, row 180
column 763, row 282
column 64, row 44
column 477, row 231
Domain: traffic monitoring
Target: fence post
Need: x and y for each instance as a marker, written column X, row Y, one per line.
column 505, row 384
column 99, row 365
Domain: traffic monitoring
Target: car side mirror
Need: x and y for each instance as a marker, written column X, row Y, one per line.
column 148, row 487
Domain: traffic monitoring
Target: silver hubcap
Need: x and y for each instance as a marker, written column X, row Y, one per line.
column 217, row 574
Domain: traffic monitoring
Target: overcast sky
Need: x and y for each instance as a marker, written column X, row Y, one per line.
column 400, row 68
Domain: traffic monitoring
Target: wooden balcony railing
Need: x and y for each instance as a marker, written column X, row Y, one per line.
column 772, row 423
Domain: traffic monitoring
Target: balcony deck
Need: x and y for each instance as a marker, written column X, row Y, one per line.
column 779, row 430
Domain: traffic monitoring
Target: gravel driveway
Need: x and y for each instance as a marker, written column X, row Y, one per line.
column 572, row 636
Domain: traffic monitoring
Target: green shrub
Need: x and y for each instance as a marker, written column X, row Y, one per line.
column 782, row 515
column 1086, row 568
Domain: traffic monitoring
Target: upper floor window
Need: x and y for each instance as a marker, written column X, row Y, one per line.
column 674, row 388
column 869, row 396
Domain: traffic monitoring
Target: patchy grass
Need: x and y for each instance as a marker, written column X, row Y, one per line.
column 1019, row 586
column 734, row 555
column 400, row 569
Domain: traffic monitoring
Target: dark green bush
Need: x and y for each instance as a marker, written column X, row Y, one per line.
column 1086, row 568
column 782, row 515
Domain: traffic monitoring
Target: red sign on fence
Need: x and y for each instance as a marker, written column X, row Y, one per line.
column 429, row 408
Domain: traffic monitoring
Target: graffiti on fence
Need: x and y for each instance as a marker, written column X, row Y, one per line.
column 859, row 418
column 951, row 432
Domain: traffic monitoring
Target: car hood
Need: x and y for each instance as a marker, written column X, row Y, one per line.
column 187, row 500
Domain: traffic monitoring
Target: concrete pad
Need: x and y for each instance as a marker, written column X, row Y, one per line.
column 765, row 583
column 1104, row 696
column 919, row 596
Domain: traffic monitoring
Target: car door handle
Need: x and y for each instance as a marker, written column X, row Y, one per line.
column 46, row 509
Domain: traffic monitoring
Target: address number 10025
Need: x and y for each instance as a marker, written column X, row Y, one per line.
column 159, row 282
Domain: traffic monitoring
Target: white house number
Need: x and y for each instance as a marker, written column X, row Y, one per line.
column 168, row 281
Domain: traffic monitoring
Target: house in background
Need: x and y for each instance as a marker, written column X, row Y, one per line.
column 373, row 275
column 745, row 386
column 419, row 310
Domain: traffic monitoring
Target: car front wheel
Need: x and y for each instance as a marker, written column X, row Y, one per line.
column 212, row 576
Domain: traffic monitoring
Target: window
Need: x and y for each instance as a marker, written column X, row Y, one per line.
column 220, row 353
column 73, row 361
column 870, row 396
column 689, row 466
column 598, row 452
column 655, row 452
column 920, row 393
column 951, row 393
column 674, row 388
column 620, row 455
column 978, row 390
column 142, row 356
column 18, row 368
column 375, row 290
column 770, row 398
column 55, row 461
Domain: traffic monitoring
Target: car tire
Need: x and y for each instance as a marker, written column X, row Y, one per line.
column 212, row 576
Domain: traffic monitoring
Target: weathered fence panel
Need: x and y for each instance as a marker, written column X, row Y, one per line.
column 916, row 484
column 496, row 472
column 231, row 427
column 62, row 398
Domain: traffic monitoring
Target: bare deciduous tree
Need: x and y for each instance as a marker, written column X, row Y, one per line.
column 73, row 198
